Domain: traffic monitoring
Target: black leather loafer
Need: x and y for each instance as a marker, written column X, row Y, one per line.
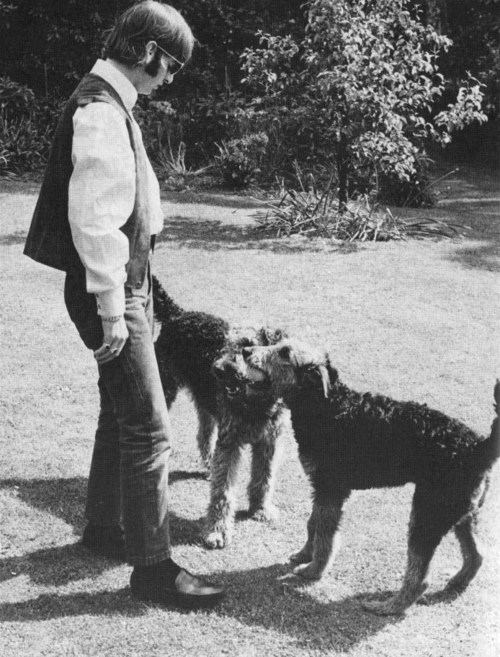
column 186, row 591
column 106, row 541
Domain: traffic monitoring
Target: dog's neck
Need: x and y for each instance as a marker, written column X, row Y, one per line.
column 314, row 399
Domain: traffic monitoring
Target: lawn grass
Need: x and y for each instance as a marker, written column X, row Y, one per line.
column 415, row 320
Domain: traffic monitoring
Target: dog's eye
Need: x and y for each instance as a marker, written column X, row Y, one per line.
column 284, row 353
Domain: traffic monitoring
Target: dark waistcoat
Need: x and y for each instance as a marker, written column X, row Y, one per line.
column 49, row 239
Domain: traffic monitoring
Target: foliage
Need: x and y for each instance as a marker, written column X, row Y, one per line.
column 25, row 127
column 48, row 46
column 313, row 212
column 416, row 192
column 239, row 159
column 163, row 136
column 474, row 27
column 364, row 80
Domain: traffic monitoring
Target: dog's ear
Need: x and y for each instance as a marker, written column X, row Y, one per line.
column 333, row 374
column 284, row 352
column 317, row 377
column 269, row 336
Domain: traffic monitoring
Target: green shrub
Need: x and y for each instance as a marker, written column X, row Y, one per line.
column 365, row 80
column 239, row 159
column 26, row 127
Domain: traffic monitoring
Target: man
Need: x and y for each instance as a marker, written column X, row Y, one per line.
column 96, row 218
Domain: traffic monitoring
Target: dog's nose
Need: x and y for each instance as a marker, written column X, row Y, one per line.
column 246, row 352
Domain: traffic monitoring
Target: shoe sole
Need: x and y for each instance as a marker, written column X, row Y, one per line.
column 174, row 598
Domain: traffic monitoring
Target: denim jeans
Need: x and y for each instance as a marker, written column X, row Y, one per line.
column 128, row 479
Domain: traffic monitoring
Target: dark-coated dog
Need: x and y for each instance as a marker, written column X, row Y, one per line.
column 199, row 351
column 348, row 440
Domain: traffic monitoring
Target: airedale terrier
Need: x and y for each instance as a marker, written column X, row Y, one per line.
column 348, row 440
column 199, row 351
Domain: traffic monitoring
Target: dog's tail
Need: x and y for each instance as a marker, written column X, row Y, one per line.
column 490, row 448
column 496, row 395
column 164, row 306
column 495, row 427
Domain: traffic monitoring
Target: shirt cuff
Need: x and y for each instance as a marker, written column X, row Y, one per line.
column 111, row 303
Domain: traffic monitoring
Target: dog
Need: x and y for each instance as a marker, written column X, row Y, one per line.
column 348, row 440
column 200, row 352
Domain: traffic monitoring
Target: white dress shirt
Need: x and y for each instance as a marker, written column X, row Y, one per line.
column 102, row 191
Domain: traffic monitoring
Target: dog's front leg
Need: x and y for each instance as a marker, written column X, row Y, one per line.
column 324, row 523
column 220, row 516
column 265, row 459
column 206, row 436
column 306, row 554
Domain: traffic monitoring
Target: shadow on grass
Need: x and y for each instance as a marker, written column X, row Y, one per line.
column 213, row 235
column 271, row 598
column 485, row 256
column 13, row 239
column 56, row 566
column 265, row 597
column 65, row 499
column 255, row 597
column 224, row 199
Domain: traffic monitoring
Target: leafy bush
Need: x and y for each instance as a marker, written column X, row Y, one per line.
column 50, row 45
column 364, row 79
column 26, row 126
column 162, row 133
column 239, row 159
column 414, row 192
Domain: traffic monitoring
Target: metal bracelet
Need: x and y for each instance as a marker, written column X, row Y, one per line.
column 113, row 319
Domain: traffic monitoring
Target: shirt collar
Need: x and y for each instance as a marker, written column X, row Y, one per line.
column 118, row 81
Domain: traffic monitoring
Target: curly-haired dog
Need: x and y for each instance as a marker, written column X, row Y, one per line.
column 348, row 441
column 198, row 351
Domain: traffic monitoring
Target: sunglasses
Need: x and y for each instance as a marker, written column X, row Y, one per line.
column 176, row 66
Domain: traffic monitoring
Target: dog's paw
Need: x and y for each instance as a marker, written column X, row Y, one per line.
column 216, row 539
column 302, row 556
column 397, row 604
column 382, row 608
column 308, row 571
column 268, row 513
column 446, row 595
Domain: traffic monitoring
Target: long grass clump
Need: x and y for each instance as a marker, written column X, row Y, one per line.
column 312, row 212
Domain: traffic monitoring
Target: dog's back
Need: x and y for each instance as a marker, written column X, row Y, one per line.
column 186, row 347
column 372, row 441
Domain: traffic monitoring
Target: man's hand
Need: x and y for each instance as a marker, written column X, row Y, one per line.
column 115, row 336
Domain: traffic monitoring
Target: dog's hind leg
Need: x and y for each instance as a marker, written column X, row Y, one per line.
column 465, row 531
column 220, row 517
column 429, row 522
column 206, row 435
column 265, row 460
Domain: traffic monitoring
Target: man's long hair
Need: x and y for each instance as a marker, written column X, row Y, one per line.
column 149, row 21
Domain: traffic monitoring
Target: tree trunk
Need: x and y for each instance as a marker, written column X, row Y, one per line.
column 342, row 171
